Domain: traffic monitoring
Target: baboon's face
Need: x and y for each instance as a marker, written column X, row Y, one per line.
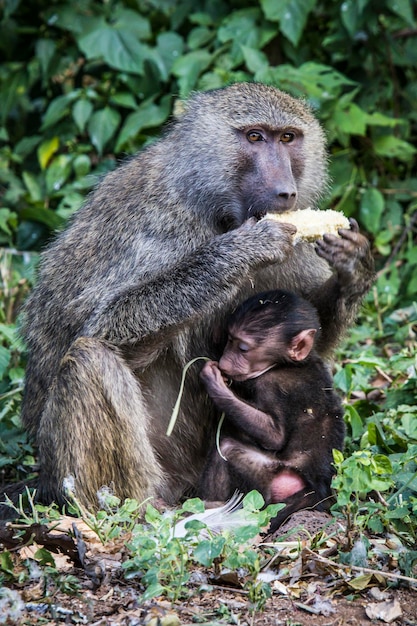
column 248, row 355
column 274, row 163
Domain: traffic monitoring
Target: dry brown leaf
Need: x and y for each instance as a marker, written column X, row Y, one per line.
column 386, row 611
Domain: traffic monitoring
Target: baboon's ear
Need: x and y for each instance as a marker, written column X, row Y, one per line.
column 302, row 344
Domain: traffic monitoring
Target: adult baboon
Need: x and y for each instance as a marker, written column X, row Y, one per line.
column 146, row 274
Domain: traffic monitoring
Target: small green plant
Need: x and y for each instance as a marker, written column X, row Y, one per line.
column 16, row 277
column 361, row 480
column 163, row 561
column 357, row 476
column 113, row 519
column 31, row 512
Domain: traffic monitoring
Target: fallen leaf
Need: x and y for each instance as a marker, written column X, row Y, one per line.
column 385, row 611
column 360, row 582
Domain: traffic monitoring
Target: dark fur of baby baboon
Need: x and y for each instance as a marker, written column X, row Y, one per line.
column 145, row 274
column 282, row 417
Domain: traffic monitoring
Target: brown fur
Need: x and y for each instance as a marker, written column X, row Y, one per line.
column 283, row 418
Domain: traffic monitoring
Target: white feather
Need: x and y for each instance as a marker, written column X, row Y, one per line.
column 230, row 515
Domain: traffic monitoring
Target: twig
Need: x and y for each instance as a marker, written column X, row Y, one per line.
column 357, row 568
column 405, row 32
column 402, row 238
column 383, row 374
column 40, row 534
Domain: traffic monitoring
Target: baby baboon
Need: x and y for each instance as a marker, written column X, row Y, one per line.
column 283, row 418
column 166, row 246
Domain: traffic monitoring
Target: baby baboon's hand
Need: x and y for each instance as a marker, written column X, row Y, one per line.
column 213, row 379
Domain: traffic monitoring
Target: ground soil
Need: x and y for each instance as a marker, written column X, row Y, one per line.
column 116, row 603
column 312, row 591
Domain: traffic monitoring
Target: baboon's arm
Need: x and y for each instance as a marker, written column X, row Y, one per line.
column 205, row 280
column 339, row 298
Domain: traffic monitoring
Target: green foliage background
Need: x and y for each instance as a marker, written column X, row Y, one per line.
column 85, row 83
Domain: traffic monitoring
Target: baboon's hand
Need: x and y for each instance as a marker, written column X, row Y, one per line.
column 213, row 379
column 267, row 241
column 349, row 254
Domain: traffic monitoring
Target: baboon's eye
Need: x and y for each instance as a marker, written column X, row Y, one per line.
column 254, row 135
column 287, row 137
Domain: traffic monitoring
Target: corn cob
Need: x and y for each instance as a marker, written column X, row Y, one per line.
column 312, row 224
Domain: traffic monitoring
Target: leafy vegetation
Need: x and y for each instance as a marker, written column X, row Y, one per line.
column 85, row 83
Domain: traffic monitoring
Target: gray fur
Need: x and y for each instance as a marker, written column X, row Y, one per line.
column 143, row 278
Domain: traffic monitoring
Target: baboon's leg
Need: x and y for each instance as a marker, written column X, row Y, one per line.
column 94, row 428
column 216, row 481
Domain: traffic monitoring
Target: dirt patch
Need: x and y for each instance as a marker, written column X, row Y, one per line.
column 309, row 586
column 116, row 603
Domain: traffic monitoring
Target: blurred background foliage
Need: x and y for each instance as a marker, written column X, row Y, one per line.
column 84, row 84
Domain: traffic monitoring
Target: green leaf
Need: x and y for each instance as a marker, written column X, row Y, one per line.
column 291, row 14
column 13, row 88
column 351, row 119
column 404, row 9
column 45, row 50
column 241, row 27
column 371, row 209
column 320, row 82
column 29, row 233
column 194, row 526
column 4, row 360
column 102, row 126
column 379, row 119
column 381, row 464
column 7, row 218
column 58, row 172
column 170, row 46
column 255, row 59
column 253, row 501
column 354, row 420
column 124, row 99
column 6, row 562
column 46, row 150
column 189, row 67
column 33, row 186
column 208, row 550
column 27, row 145
column 119, row 48
column 199, row 37
column 412, row 286
column 343, row 378
column 338, row 457
column 126, row 19
column 42, row 215
column 244, row 533
column 393, row 147
column 153, row 591
column 193, row 505
column 81, row 165
column 58, row 109
column 44, row 557
column 350, row 14
column 148, row 115
column 152, row 515
column 81, row 113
